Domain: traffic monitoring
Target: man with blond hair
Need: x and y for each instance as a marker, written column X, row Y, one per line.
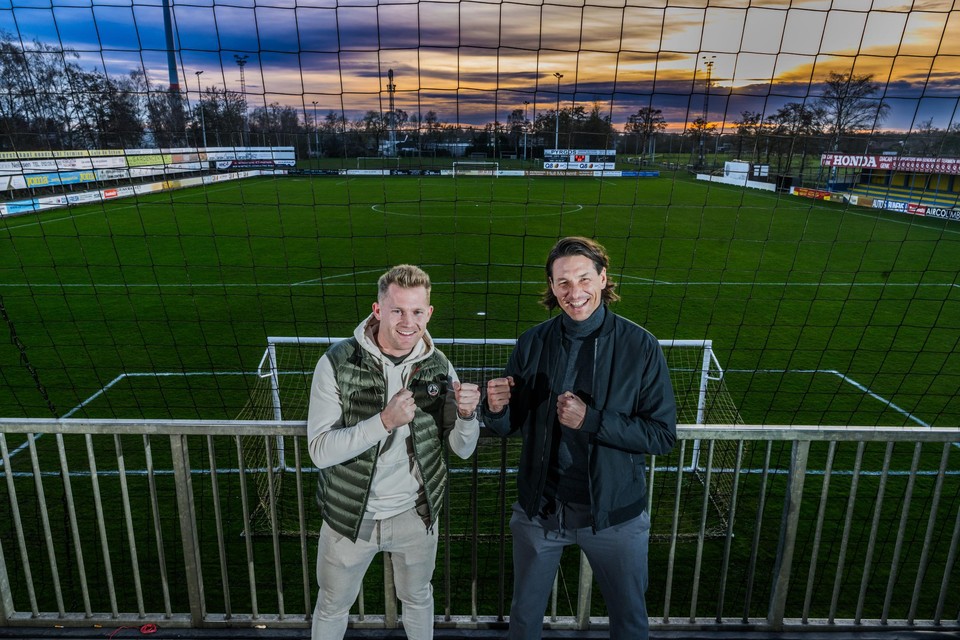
column 382, row 403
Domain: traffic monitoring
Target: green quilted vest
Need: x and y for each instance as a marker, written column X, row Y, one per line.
column 342, row 489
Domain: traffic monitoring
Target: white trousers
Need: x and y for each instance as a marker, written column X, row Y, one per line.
column 341, row 565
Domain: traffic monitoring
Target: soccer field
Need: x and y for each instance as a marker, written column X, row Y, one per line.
column 160, row 307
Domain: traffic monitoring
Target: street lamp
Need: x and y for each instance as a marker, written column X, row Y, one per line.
column 708, row 63
column 203, row 124
column 556, row 135
column 316, row 131
column 525, row 127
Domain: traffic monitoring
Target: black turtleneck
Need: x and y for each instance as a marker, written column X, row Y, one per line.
column 567, row 478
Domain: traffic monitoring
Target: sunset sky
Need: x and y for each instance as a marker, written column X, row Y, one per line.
column 474, row 62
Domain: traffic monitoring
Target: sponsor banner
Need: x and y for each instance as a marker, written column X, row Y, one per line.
column 74, row 153
column 942, row 213
column 251, row 164
column 640, row 174
column 153, row 187
column 20, row 206
column 52, row 201
column 370, row 172
column 80, row 198
column 8, row 183
column 816, row 194
column 336, row 172
column 55, row 179
column 950, row 166
column 27, row 166
column 580, row 166
column 145, row 172
column 279, row 153
column 112, row 174
column 152, row 159
column 913, row 208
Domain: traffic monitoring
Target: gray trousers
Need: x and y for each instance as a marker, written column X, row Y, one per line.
column 341, row 565
column 618, row 556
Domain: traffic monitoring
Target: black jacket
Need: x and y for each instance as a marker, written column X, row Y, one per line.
column 631, row 412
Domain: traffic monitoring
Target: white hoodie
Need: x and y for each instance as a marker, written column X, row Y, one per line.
column 396, row 479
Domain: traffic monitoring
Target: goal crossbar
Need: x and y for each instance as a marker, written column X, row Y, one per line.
column 288, row 362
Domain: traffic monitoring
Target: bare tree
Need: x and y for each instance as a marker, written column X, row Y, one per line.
column 796, row 126
column 851, row 104
column 643, row 125
column 748, row 128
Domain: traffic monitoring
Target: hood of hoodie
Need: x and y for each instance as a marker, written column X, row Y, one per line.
column 365, row 335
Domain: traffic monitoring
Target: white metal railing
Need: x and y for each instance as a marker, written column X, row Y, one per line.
column 829, row 528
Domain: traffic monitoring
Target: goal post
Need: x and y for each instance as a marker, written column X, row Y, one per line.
column 283, row 393
column 476, row 168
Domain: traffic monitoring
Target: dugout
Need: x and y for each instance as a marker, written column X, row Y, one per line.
column 926, row 181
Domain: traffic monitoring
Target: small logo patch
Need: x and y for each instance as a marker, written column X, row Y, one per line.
column 433, row 389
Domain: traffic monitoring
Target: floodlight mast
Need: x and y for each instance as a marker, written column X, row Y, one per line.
column 556, row 135
column 708, row 63
column 316, row 131
column 203, row 124
column 392, row 115
column 242, row 62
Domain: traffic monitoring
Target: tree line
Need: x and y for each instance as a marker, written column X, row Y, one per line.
column 49, row 101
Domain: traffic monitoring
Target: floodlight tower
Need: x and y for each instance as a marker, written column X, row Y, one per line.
column 242, row 62
column 203, row 124
column 556, row 135
column 171, row 52
column 708, row 63
column 392, row 115
column 316, row 131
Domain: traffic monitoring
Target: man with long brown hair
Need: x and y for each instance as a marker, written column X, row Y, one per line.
column 589, row 393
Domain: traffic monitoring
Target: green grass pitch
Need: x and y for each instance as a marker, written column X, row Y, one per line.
column 822, row 313
column 160, row 307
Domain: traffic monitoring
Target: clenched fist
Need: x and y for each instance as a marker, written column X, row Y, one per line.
column 467, row 396
column 399, row 411
column 571, row 410
column 498, row 393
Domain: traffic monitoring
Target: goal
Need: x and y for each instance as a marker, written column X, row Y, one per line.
column 476, row 169
column 283, row 393
column 378, row 162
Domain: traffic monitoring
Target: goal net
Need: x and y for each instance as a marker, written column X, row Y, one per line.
column 476, row 169
column 285, row 374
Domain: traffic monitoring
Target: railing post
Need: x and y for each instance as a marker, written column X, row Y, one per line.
column 188, row 527
column 6, row 597
column 584, row 593
column 788, row 533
